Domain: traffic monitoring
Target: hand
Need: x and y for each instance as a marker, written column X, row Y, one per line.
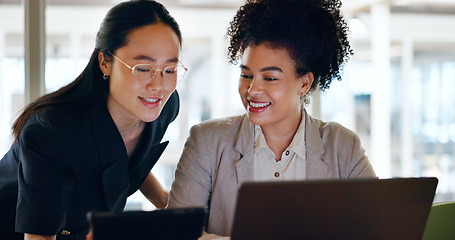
column 207, row 236
column 28, row 236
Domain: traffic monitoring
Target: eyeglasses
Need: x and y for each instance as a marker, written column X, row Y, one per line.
column 144, row 72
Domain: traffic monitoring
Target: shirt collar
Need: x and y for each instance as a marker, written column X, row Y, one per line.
column 259, row 139
column 298, row 142
column 297, row 145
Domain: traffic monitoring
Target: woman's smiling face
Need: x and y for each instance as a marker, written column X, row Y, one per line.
column 269, row 87
column 155, row 44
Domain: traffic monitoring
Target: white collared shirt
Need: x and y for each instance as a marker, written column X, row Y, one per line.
column 292, row 165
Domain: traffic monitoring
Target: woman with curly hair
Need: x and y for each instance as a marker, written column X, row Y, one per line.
column 286, row 48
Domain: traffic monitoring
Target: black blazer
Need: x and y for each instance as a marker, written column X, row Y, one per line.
column 60, row 170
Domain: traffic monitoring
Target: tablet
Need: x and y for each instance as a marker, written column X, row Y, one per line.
column 184, row 223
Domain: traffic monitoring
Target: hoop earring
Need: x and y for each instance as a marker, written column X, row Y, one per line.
column 105, row 77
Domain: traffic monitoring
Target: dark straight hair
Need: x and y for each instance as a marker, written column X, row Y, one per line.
column 90, row 86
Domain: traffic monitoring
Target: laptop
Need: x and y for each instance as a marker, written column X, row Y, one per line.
column 371, row 209
column 184, row 223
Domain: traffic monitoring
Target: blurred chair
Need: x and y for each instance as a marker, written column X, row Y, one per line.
column 441, row 222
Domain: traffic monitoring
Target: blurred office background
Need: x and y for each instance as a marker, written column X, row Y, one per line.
column 397, row 92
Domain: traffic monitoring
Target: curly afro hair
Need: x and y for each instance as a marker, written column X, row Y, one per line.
column 312, row 31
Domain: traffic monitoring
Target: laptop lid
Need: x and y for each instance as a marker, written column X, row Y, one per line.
column 185, row 223
column 334, row 209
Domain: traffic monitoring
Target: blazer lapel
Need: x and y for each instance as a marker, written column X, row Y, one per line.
column 146, row 161
column 244, row 166
column 316, row 168
column 112, row 156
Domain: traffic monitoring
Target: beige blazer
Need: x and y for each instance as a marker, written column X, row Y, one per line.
column 219, row 156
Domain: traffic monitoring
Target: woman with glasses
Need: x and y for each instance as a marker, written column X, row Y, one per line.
column 92, row 143
column 287, row 49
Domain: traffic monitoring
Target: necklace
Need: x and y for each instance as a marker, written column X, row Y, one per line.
column 129, row 130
